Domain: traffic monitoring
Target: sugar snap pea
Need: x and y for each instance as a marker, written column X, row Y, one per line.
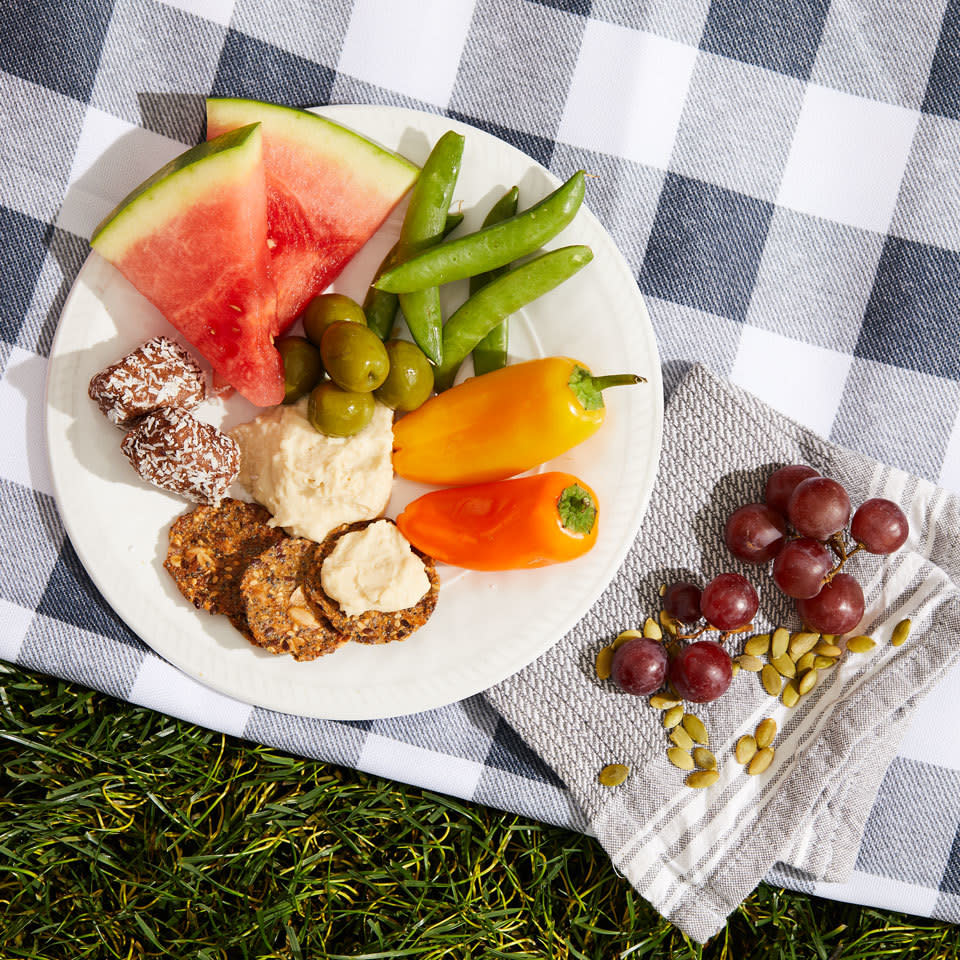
column 379, row 306
column 491, row 352
column 490, row 247
column 480, row 313
column 422, row 228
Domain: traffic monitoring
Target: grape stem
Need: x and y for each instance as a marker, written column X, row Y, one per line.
column 723, row 633
column 839, row 547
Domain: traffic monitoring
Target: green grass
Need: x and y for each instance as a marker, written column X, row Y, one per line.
column 125, row 834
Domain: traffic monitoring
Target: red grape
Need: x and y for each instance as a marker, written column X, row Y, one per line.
column 701, row 672
column 837, row 608
column 880, row 525
column 819, row 507
column 682, row 601
column 729, row 601
column 781, row 483
column 639, row 666
column 755, row 533
column 799, row 568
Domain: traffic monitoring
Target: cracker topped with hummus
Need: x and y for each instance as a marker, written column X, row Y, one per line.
column 370, row 584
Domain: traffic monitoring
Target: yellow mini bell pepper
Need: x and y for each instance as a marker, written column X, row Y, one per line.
column 502, row 423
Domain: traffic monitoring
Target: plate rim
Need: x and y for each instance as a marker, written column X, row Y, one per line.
column 613, row 565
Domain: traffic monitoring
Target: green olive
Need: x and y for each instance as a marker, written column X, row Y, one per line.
column 410, row 380
column 339, row 413
column 302, row 367
column 354, row 356
column 330, row 308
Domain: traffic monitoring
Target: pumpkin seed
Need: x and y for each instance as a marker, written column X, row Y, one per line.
column 663, row 701
column 807, row 682
column 765, row 732
column 734, row 669
column 784, row 666
column 668, row 623
column 746, row 749
column 604, row 663
column 673, row 716
column 761, row 761
column 801, row 643
column 663, row 589
column 680, row 758
column 748, row 662
column 681, row 738
column 861, row 644
column 828, row 637
column 694, row 726
column 651, row 629
column 791, row 695
column 704, row 759
column 900, row 633
column 806, row 661
column 622, row 638
column 702, row 778
column 827, row 649
column 824, row 663
column 771, row 680
column 778, row 642
column 613, row 774
column 757, row 646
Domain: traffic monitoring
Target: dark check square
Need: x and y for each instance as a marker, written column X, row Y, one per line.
column 509, row 752
column 21, row 258
column 705, row 247
column 72, row 598
column 257, row 70
column 780, row 35
column 943, row 86
column 54, row 48
column 582, row 7
column 910, row 320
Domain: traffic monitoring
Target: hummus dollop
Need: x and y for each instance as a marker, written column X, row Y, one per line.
column 310, row 482
column 374, row 569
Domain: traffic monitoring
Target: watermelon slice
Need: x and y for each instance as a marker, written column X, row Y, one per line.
column 192, row 240
column 328, row 191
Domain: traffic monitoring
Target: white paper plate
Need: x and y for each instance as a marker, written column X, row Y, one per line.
column 487, row 625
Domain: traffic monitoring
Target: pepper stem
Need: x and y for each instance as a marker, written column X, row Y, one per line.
column 576, row 509
column 587, row 388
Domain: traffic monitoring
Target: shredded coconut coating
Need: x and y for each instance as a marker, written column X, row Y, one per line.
column 173, row 450
column 160, row 373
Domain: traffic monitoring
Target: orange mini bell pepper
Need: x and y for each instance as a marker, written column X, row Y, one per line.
column 502, row 423
column 504, row 525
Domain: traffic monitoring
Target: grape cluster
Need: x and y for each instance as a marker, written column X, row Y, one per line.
column 808, row 562
column 700, row 671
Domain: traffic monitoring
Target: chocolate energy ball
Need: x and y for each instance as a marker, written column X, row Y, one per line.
column 160, row 373
column 173, row 450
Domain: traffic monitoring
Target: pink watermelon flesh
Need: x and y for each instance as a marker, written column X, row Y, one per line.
column 207, row 271
column 321, row 210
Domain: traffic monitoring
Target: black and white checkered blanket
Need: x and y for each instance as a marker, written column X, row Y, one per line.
column 783, row 178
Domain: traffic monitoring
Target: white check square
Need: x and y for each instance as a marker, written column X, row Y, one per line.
column 801, row 380
column 408, row 46
column 627, row 93
column 847, row 158
column 112, row 157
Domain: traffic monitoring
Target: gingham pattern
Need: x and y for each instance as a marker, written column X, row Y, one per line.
column 783, row 177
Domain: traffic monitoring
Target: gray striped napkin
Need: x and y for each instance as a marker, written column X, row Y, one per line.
column 695, row 854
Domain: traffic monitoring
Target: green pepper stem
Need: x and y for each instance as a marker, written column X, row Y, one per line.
column 616, row 380
column 576, row 509
column 586, row 387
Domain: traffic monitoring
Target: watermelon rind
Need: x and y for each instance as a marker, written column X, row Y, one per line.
column 393, row 172
column 185, row 180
